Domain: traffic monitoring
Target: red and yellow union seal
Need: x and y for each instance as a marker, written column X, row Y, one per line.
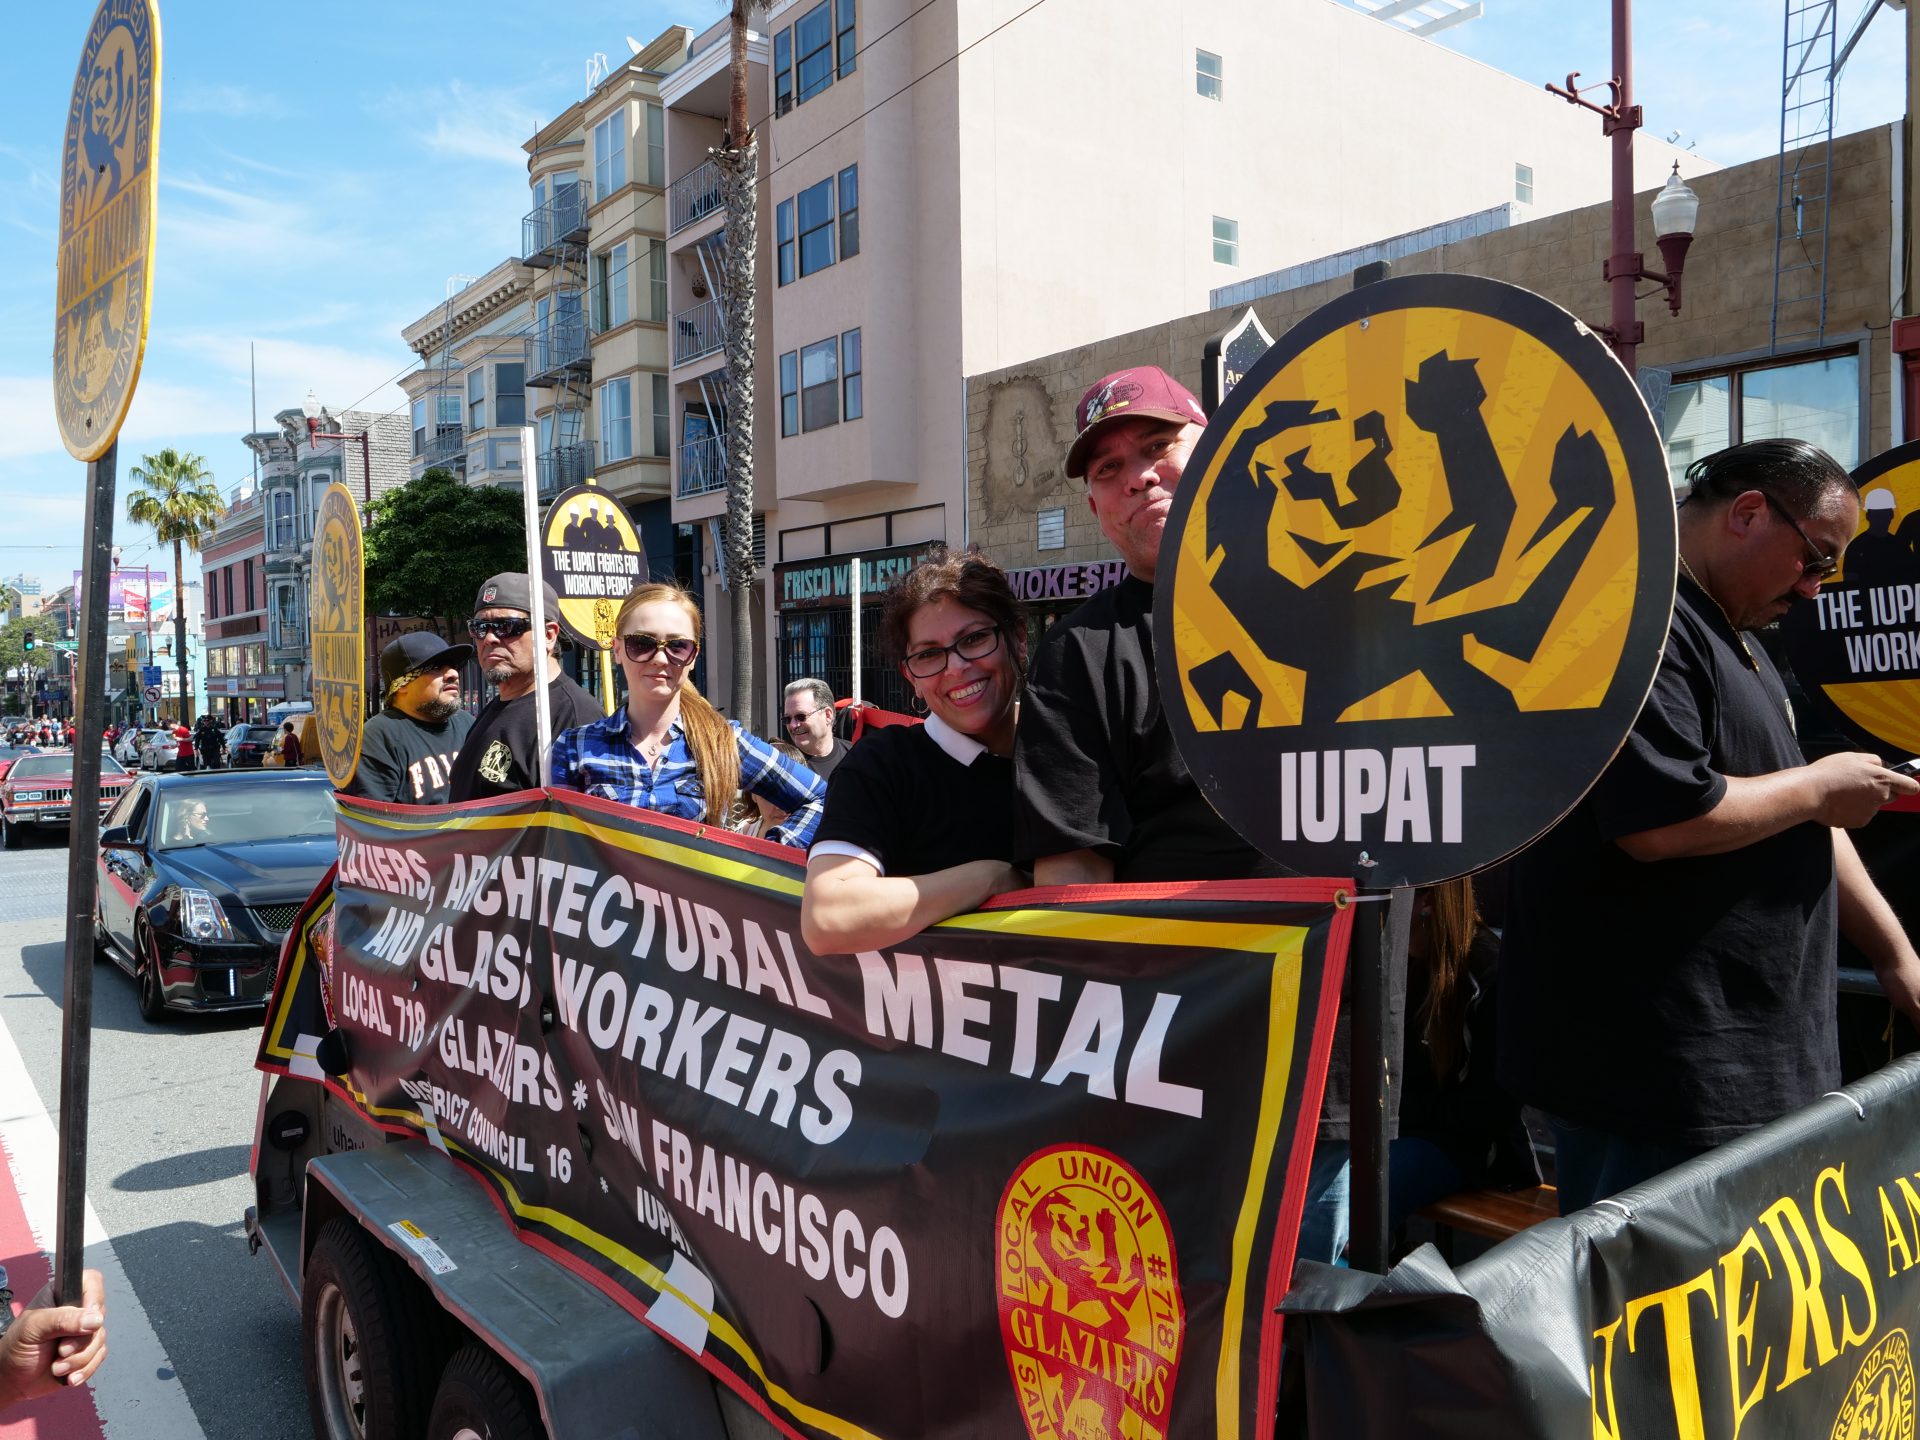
column 1089, row 1288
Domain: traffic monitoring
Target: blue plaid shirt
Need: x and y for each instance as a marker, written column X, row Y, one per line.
column 601, row 760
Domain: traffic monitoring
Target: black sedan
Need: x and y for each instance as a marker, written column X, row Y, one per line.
column 248, row 745
column 201, row 876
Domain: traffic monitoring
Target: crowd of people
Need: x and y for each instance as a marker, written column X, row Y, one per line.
column 1710, row 866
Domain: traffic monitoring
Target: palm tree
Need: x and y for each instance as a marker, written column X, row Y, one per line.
column 738, row 159
column 177, row 498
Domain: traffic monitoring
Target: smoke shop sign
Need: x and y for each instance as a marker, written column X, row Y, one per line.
column 828, row 581
column 1066, row 582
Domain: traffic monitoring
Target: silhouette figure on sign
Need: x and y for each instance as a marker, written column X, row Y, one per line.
column 1884, row 554
column 1291, row 623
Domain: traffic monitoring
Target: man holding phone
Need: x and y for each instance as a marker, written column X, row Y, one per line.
column 1668, row 971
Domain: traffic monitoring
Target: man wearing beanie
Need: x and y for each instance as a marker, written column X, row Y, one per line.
column 408, row 749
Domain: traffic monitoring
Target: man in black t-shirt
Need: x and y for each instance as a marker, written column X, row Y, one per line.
column 501, row 753
column 408, row 749
column 807, row 712
column 1101, row 793
column 1668, row 968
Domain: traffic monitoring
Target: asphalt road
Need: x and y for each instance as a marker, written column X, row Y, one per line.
column 171, row 1120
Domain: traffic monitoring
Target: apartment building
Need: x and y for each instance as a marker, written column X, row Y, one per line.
column 240, row 681
column 21, row 594
column 467, row 402
column 947, row 189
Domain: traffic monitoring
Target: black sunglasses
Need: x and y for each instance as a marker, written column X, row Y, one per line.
column 973, row 645
column 641, row 648
column 504, row 627
column 1823, row 565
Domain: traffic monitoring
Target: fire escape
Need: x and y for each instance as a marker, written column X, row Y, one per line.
column 553, row 237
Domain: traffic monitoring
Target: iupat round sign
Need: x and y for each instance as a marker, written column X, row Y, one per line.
column 1416, row 581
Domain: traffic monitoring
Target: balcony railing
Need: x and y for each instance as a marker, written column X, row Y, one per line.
column 694, row 195
column 561, row 221
column 562, row 467
column 557, row 347
column 699, row 331
column 448, row 442
column 703, row 466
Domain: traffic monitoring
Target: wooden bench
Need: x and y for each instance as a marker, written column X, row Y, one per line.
column 1492, row 1214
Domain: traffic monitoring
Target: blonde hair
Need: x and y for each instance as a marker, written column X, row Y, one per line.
column 710, row 739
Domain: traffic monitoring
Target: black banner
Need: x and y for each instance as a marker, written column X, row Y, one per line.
column 1768, row 1289
column 1038, row 1168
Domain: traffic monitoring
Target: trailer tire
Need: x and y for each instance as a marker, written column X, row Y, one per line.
column 361, row 1326
column 481, row 1399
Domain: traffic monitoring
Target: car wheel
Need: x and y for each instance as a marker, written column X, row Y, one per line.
column 146, row 979
column 480, row 1398
column 362, row 1323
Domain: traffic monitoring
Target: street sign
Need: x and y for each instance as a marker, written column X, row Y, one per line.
column 109, row 182
column 590, row 553
column 336, row 605
column 152, row 693
column 1416, row 583
column 149, row 674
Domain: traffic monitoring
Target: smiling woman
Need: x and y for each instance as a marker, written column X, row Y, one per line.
column 919, row 822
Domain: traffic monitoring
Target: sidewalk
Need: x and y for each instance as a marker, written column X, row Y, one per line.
column 135, row 1395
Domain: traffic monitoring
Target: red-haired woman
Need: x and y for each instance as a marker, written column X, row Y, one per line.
column 919, row 822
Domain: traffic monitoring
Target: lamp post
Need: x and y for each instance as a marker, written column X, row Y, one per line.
column 1674, row 209
column 314, row 432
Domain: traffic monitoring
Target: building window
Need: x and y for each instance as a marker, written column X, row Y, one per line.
column 783, row 72
column 419, row 427
column 656, row 147
column 1523, row 183
column 657, row 279
column 246, row 577
column 449, row 411
column 283, row 525
column 510, row 394
column 1206, row 75
column 662, row 416
column 851, row 400
column 790, row 393
column 820, row 385
column 843, row 37
column 1226, row 241
column 783, row 240
column 849, row 212
column 816, row 227
column 1050, row 529
column 616, row 419
column 813, row 51
column 610, row 306
column 477, row 399
column 610, row 154
column 227, row 582
column 1816, row 400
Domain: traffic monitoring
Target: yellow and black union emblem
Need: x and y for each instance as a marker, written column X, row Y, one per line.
column 336, row 611
column 1416, row 581
column 1879, row 1403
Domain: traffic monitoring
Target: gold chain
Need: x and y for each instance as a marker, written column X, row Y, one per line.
column 1738, row 633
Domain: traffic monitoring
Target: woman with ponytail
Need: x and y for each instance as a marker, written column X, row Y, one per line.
column 668, row 749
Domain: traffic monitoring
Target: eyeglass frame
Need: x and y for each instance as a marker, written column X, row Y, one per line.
column 789, row 721
column 661, row 644
column 947, row 652
column 1825, row 566
column 504, row 627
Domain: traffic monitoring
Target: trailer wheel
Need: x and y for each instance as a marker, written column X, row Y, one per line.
column 481, row 1399
column 362, row 1328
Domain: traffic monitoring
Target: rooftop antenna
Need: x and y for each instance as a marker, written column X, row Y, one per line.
column 634, row 45
column 596, row 70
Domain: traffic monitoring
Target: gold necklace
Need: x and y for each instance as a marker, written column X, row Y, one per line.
column 1738, row 633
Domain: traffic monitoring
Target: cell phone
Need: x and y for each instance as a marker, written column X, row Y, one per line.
column 1909, row 768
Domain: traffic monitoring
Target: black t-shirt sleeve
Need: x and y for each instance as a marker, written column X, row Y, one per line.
column 1664, row 772
column 1067, row 793
column 866, row 805
column 377, row 776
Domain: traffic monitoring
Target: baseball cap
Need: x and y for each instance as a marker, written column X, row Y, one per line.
column 514, row 591
column 1144, row 390
column 420, row 650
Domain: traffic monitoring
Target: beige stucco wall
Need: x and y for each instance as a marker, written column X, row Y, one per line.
column 1728, row 305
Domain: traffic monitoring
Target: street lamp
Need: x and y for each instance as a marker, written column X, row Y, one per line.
column 1674, row 210
column 314, row 432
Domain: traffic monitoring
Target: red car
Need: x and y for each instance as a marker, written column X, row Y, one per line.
column 37, row 792
column 11, row 753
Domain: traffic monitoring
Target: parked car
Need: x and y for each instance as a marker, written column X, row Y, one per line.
column 167, row 751
column 11, row 753
column 201, row 876
column 127, row 750
column 37, row 792
column 248, row 744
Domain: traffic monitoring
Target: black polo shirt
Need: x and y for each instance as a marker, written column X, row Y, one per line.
column 913, row 799
column 1684, row 1000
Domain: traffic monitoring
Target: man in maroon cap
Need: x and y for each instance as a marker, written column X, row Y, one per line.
column 1100, row 792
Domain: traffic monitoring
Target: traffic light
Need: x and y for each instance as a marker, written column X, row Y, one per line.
column 31, row 641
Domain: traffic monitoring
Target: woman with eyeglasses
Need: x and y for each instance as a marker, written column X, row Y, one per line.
column 667, row 749
column 919, row 823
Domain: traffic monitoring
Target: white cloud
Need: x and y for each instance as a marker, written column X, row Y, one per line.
column 233, row 101
column 475, row 125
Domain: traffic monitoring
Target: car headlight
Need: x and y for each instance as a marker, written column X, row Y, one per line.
column 29, row 794
column 201, row 917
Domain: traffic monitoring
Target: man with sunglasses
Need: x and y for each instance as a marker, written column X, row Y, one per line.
column 500, row 753
column 408, row 750
column 807, row 707
column 1668, row 967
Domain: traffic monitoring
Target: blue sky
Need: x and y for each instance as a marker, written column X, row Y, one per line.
column 325, row 169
